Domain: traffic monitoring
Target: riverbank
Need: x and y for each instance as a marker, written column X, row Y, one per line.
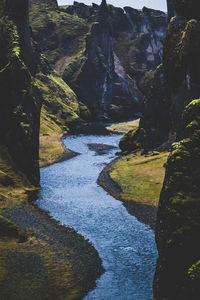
column 123, row 127
column 39, row 257
column 51, row 262
column 53, row 151
column 71, row 194
column 137, row 181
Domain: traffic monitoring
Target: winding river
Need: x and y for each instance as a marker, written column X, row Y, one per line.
column 127, row 247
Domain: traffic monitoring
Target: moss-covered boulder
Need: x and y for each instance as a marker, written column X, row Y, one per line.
column 132, row 140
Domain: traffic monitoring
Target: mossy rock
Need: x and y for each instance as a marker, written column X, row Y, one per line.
column 132, row 140
column 194, row 271
column 181, row 51
column 178, row 221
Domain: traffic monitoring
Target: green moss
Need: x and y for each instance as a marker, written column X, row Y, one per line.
column 178, row 224
column 194, row 271
column 132, row 140
column 54, row 29
column 59, row 101
column 182, row 42
column 73, row 69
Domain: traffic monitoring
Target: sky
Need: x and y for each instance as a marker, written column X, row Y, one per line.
column 155, row 4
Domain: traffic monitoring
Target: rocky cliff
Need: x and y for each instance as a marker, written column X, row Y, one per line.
column 19, row 97
column 38, row 258
column 171, row 85
column 101, row 52
column 178, row 224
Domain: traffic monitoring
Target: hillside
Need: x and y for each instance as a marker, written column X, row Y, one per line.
column 102, row 52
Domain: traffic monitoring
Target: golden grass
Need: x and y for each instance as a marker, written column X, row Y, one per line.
column 140, row 178
column 51, row 149
column 51, row 146
column 123, row 127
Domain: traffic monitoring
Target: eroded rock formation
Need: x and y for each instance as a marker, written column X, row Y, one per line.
column 101, row 52
column 178, row 224
column 19, row 97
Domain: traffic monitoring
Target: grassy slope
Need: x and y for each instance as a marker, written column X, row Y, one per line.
column 140, row 178
column 59, row 113
column 123, row 127
column 62, row 37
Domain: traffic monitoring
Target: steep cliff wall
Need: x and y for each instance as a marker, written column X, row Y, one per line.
column 102, row 82
column 19, row 97
column 178, row 83
column 101, row 52
column 178, row 223
column 38, row 258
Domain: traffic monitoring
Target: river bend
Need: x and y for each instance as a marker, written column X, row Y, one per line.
column 71, row 195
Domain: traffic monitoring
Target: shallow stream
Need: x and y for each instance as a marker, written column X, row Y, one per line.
column 70, row 194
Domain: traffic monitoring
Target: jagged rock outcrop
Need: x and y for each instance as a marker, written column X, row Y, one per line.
column 19, row 97
column 178, row 83
column 102, row 59
column 102, row 83
column 178, row 223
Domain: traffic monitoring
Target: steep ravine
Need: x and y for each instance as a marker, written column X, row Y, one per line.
column 101, row 52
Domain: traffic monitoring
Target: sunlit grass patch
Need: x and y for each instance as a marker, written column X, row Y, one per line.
column 123, row 127
column 140, row 178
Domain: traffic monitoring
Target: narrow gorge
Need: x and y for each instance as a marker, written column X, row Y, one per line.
column 99, row 151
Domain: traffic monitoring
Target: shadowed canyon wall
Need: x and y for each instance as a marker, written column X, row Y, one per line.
column 178, row 223
column 19, row 97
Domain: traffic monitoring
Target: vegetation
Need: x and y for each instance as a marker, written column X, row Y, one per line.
column 123, row 127
column 140, row 177
column 36, row 258
column 180, row 202
column 60, row 113
column 61, row 36
column 132, row 140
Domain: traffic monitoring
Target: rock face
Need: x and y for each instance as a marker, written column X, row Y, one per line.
column 20, row 107
column 103, row 54
column 155, row 120
column 178, row 224
column 102, row 82
column 173, row 84
column 170, row 9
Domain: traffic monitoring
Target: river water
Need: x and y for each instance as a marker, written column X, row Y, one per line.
column 71, row 195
